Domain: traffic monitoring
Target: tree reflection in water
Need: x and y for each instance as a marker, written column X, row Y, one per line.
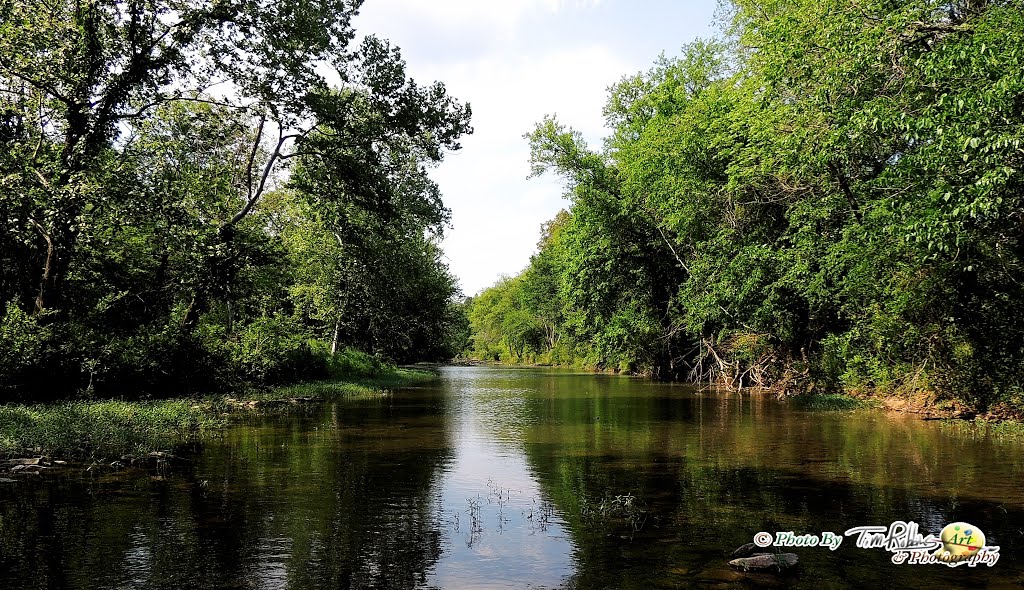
column 503, row 478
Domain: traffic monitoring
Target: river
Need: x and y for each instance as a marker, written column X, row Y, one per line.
column 522, row 478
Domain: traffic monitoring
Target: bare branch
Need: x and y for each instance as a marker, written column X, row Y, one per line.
column 255, row 197
column 252, row 155
column 672, row 249
column 176, row 98
column 42, row 179
column 844, row 185
column 42, row 231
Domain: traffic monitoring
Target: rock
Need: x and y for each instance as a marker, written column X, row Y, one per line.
column 32, row 461
column 18, row 468
column 764, row 562
column 7, row 480
column 745, row 550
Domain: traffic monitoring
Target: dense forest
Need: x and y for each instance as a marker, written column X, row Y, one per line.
column 196, row 195
column 827, row 197
column 200, row 194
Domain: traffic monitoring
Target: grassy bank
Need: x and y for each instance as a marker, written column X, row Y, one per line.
column 93, row 430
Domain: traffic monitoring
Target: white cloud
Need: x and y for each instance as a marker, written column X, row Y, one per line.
column 496, row 211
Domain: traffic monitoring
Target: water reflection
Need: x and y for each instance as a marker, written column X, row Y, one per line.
column 512, row 478
column 502, row 532
column 341, row 498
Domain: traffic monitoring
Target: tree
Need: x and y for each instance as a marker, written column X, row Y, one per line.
column 144, row 149
column 829, row 197
column 76, row 73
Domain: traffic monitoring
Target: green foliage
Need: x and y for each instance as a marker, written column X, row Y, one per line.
column 272, row 349
column 22, row 348
column 975, row 430
column 157, row 237
column 355, row 363
column 829, row 197
column 828, row 402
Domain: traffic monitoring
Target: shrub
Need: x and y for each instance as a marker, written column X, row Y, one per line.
column 24, row 348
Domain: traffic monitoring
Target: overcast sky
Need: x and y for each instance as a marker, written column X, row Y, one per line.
column 515, row 61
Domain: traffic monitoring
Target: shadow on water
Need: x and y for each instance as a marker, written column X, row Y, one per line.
column 512, row 478
column 709, row 470
column 337, row 499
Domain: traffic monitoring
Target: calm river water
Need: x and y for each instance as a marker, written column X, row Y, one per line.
column 522, row 478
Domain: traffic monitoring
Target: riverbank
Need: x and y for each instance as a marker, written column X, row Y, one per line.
column 102, row 430
column 924, row 403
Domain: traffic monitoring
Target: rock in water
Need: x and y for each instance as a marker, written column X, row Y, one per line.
column 745, row 551
column 765, row 562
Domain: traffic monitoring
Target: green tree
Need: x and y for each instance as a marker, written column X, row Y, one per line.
column 828, row 197
column 194, row 193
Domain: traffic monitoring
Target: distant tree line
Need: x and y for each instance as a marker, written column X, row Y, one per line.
column 830, row 196
column 205, row 193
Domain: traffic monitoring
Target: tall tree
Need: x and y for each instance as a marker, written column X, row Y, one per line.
column 76, row 73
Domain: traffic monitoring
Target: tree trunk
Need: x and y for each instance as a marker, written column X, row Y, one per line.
column 334, row 338
column 55, row 267
column 195, row 307
column 231, row 310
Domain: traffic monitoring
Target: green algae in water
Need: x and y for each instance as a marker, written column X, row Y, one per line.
column 828, row 402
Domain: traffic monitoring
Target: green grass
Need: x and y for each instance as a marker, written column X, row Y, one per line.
column 104, row 428
column 370, row 385
column 828, row 402
column 112, row 429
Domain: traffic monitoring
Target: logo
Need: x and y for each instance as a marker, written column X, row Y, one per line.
column 957, row 544
column 960, row 541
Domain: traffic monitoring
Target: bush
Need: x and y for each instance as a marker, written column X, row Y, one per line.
column 24, row 348
column 273, row 350
column 353, row 363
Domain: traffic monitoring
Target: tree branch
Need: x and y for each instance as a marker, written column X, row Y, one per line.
column 40, row 85
column 255, row 197
column 252, row 156
column 176, row 98
column 844, row 185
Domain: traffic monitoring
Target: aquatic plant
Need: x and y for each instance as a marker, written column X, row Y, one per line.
column 828, row 402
